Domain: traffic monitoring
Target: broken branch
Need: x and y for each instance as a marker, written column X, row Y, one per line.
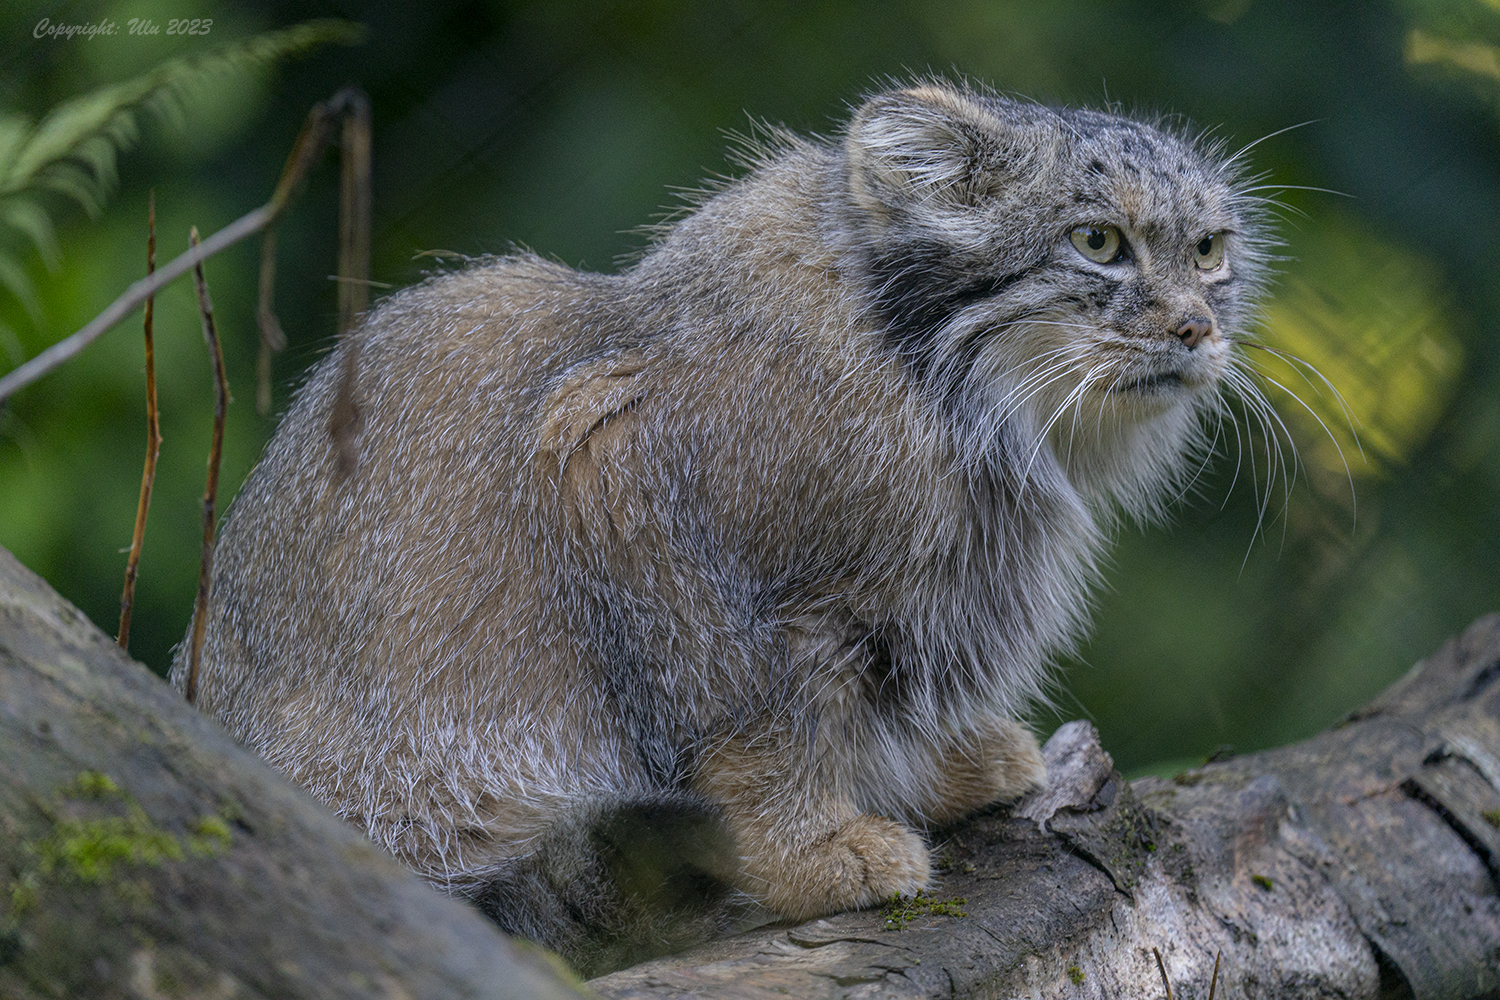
column 211, row 490
column 354, row 274
column 153, row 442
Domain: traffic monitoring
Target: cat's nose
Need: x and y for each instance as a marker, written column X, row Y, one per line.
column 1194, row 329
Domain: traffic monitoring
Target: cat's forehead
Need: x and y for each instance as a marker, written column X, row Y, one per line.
column 1106, row 168
column 1143, row 176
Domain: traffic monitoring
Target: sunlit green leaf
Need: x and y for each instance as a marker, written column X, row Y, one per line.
column 1475, row 57
column 1376, row 322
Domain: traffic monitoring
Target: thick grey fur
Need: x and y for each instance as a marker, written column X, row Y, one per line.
column 762, row 544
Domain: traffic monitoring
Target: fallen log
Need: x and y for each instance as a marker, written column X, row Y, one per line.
column 1364, row 862
column 143, row 854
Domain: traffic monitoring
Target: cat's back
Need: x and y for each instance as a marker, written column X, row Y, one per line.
column 322, row 575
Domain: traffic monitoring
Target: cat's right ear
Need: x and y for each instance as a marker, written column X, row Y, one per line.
column 926, row 145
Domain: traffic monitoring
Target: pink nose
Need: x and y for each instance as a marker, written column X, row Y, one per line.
column 1195, row 330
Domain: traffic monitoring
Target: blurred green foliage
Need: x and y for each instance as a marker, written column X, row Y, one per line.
column 567, row 125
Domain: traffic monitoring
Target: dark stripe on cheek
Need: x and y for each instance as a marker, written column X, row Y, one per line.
column 918, row 288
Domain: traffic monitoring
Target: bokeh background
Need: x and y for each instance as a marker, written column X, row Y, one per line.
column 565, row 126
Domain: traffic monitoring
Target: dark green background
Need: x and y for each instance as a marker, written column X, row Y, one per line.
column 566, row 126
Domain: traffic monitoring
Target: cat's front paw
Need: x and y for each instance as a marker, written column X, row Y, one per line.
column 996, row 761
column 866, row 860
column 1015, row 758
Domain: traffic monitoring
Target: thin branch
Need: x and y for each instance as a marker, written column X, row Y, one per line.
column 354, row 214
column 310, row 142
column 153, row 441
column 354, row 273
column 65, row 350
column 272, row 338
column 211, row 491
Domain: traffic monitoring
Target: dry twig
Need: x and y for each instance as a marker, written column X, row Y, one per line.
column 272, row 339
column 1213, row 985
column 1165, row 982
column 354, row 272
column 211, row 491
column 153, row 442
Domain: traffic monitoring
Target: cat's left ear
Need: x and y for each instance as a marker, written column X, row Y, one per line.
column 929, row 145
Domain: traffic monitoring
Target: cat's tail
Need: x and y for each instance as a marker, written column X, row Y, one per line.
column 614, row 883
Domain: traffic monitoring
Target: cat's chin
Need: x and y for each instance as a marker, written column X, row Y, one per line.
column 1161, row 384
column 1151, row 399
column 1162, row 387
column 1165, row 387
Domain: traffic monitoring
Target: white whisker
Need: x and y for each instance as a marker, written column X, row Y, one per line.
column 1297, row 364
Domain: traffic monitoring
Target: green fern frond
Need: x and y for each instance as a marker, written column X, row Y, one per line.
column 16, row 281
column 11, row 349
column 95, row 126
column 23, row 213
column 75, row 148
column 13, row 132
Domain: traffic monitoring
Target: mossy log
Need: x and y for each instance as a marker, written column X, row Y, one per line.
column 143, row 854
column 1364, row 862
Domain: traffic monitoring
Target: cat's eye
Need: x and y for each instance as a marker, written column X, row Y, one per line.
column 1102, row 244
column 1209, row 253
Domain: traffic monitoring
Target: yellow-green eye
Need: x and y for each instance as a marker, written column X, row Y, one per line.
column 1098, row 243
column 1209, row 253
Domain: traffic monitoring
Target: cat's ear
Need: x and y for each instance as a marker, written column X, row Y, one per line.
column 924, row 145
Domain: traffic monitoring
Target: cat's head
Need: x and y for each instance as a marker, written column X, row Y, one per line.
column 1066, row 277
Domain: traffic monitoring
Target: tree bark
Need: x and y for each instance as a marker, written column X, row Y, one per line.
column 145, row 855
column 1364, row 862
